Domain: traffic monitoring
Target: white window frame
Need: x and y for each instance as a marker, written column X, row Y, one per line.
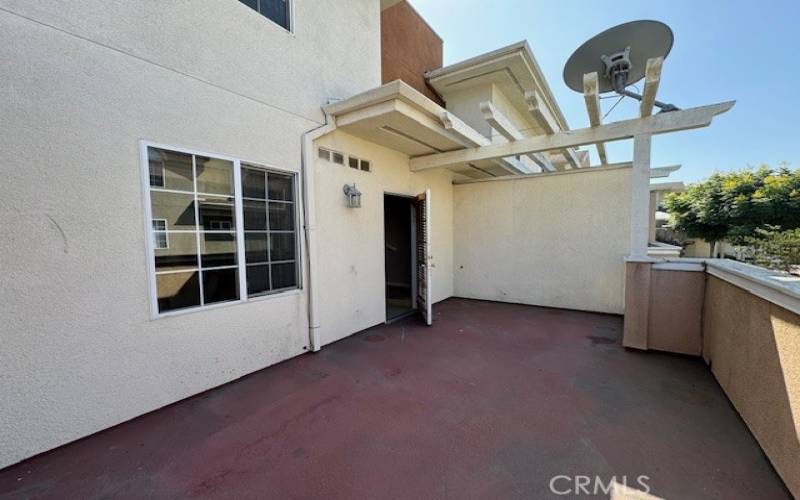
column 239, row 230
column 290, row 12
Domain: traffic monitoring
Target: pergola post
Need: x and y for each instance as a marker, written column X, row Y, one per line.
column 640, row 196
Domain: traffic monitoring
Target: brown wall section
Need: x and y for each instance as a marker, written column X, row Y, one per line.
column 753, row 348
column 676, row 311
column 409, row 48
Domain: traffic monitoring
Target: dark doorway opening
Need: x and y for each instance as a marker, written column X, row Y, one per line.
column 398, row 221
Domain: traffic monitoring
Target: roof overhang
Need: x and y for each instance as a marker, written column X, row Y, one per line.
column 513, row 69
column 399, row 117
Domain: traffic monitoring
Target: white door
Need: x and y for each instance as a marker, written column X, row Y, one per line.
column 423, row 241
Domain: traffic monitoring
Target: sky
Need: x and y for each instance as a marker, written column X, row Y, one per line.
column 724, row 50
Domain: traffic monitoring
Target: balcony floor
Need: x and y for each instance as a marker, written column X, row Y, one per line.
column 491, row 402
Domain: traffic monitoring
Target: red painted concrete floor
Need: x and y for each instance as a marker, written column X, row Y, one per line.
column 491, row 402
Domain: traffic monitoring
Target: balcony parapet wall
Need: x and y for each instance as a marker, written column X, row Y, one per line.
column 745, row 323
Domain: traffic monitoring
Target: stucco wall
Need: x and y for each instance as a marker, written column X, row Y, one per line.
column 753, row 347
column 83, row 82
column 534, row 241
column 351, row 240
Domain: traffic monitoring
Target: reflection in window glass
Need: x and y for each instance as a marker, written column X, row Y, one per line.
column 217, row 249
column 195, row 263
column 181, row 254
column 215, row 212
column 178, row 290
column 160, row 237
column 198, row 260
column 214, row 176
column 176, row 209
column 170, row 170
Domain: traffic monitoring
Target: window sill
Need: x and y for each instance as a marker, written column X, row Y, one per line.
column 195, row 310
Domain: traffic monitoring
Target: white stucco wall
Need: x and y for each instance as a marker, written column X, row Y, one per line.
column 557, row 240
column 83, row 82
column 351, row 240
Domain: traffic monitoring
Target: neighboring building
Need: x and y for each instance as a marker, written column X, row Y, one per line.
column 175, row 171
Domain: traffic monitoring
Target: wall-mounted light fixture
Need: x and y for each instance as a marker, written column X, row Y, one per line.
column 353, row 196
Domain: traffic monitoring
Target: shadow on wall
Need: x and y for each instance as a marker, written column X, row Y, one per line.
column 753, row 349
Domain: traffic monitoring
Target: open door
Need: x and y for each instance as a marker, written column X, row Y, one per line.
column 422, row 206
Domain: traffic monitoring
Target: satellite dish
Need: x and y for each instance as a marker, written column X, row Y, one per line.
column 619, row 57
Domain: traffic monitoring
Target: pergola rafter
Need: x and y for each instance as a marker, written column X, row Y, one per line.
column 500, row 123
column 591, row 94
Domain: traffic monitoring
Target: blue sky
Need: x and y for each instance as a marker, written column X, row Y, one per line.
column 733, row 50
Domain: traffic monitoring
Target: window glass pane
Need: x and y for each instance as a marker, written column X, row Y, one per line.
column 214, row 176
column 277, row 10
column 284, row 275
column 353, row 162
column 281, row 246
column 280, row 187
column 365, row 165
column 253, row 4
column 173, row 169
column 177, row 290
column 220, row 285
column 254, row 183
column 337, row 158
column 181, row 253
column 281, row 216
column 255, row 247
column 257, row 279
column 324, row 154
column 218, row 249
column 216, row 213
column 176, row 208
column 255, row 215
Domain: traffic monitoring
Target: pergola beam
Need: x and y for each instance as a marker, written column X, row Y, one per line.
column 470, row 137
column 660, row 172
column 652, row 77
column 656, row 124
column 544, row 119
column 592, row 168
column 591, row 94
column 499, row 122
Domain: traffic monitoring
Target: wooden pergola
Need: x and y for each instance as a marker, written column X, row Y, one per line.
column 641, row 129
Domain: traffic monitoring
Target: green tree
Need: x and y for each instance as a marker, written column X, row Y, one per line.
column 735, row 205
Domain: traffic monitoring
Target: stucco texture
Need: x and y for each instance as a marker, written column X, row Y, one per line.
column 83, row 83
column 553, row 240
column 753, row 348
column 351, row 240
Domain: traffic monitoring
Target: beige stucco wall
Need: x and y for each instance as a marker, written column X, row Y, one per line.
column 83, row 83
column 753, row 348
column 554, row 240
column 351, row 240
